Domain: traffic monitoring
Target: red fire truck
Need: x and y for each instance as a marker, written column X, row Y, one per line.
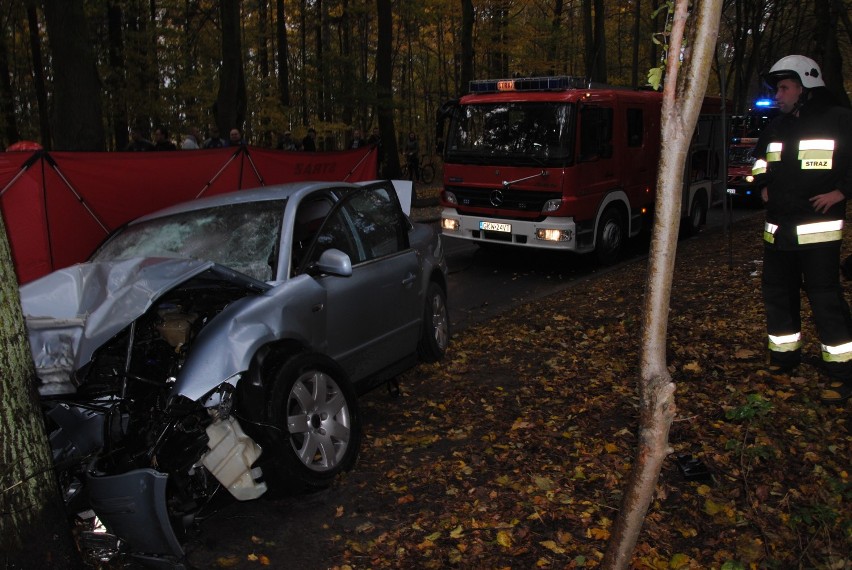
column 549, row 162
column 745, row 130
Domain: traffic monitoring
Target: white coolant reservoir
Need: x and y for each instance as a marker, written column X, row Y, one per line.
column 230, row 458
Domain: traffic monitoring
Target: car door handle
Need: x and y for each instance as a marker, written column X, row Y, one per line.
column 409, row 279
column 317, row 308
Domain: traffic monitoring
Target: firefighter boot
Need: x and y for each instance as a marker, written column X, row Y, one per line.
column 836, row 392
column 839, row 382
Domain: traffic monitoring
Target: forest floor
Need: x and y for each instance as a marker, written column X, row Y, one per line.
column 513, row 451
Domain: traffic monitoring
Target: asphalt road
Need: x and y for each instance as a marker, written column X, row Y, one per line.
column 485, row 282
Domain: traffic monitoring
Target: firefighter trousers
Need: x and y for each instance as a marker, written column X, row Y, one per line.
column 785, row 273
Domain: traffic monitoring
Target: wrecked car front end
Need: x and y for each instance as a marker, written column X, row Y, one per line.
column 109, row 340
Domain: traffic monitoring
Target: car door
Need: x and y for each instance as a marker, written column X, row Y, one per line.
column 372, row 316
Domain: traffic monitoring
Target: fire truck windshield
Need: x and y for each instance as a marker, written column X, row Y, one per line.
column 533, row 133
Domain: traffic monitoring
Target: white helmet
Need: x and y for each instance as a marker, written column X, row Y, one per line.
column 803, row 69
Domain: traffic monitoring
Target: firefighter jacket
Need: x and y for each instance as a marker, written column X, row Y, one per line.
column 799, row 157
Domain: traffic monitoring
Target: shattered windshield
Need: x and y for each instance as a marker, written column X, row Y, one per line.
column 537, row 133
column 243, row 237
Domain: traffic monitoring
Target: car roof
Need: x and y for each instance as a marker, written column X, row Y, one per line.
column 265, row 193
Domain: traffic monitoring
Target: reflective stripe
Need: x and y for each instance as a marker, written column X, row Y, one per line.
column 785, row 343
column 816, row 144
column 820, row 232
column 816, row 154
column 769, row 232
column 840, row 353
column 759, row 167
column 773, row 152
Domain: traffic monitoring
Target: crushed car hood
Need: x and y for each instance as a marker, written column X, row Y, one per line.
column 73, row 311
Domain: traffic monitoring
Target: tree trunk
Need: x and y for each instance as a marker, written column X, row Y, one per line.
column 77, row 111
column 115, row 80
column 384, row 88
column 230, row 110
column 466, row 47
column 7, row 106
column 634, row 63
column 828, row 50
column 303, row 56
column 283, row 64
column 38, row 77
column 34, row 531
column 555, row 38
column 682, row 100
column 599, row 73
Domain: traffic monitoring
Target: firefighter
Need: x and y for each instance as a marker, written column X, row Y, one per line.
column 804, row 171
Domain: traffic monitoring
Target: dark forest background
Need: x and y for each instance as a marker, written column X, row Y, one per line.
column 78, row 74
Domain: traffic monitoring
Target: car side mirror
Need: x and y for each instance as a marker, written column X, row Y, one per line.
column 332, row 262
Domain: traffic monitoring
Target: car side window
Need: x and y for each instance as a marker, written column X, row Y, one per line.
column 378, row 223
column 366, row 225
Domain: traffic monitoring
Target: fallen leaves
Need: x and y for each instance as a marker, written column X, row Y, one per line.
column 514, row 451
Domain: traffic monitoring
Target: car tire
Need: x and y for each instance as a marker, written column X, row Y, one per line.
column 435, row 334
column 611, row 233
column 316, row 423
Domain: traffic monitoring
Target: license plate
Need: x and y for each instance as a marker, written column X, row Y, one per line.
column 495, row 227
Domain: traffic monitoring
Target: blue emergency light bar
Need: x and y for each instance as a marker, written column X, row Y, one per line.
column 556, row 83
column 764, row 103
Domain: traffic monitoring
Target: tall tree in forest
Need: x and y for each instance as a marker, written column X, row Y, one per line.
column 828, row 50
column 230, row 106
column 555, row 37
column 44, row 130
column 497, row 56
column 384, row 88
column 466, row 37
column 77, row 110
column 684, row 87
column 594, row 31
column 319, row 54
column 637, row 25
column 348, row 68
column 7, row 106
column 34, row 532
column 283, row 63
column 115, row 79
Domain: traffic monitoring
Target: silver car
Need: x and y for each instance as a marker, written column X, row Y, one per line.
column 222, row 343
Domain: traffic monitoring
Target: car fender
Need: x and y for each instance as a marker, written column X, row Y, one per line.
column 225, row 347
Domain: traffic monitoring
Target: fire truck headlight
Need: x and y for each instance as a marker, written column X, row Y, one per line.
column 551, row 206
column 449, row 224
column 450, row 197
column 749, row 178
column 545, row 234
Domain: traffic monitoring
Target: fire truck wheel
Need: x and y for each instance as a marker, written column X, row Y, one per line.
column 610, row 237
column 697, row 215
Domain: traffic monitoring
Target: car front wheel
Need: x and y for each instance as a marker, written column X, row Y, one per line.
column 316, row 429
column 435, row 335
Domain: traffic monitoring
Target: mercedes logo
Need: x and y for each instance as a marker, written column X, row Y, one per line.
column 496, row 198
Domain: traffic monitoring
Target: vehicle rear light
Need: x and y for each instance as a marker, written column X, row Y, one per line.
column 449, row 224
column 545, row 234
column 551, row 206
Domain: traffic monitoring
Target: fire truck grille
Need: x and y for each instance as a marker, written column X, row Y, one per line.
column 511, row 199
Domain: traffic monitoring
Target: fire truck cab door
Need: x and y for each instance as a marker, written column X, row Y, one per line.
column 596, row 158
